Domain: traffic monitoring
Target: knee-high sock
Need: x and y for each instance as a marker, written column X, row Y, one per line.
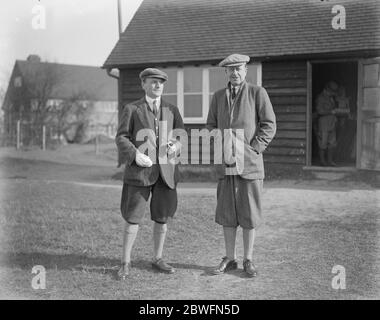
column 130, row 233
column 248, row 242
column 159, row 235
column 230, row 240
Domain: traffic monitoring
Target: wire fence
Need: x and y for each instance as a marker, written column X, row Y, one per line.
column 47, row 136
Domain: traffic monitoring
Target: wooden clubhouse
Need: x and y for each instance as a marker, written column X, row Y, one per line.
column 296, row 47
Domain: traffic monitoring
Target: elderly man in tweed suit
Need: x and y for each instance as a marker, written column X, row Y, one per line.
column 244, row 107
column 145, row 126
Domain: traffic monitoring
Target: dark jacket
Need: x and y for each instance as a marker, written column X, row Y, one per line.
column 135, row 117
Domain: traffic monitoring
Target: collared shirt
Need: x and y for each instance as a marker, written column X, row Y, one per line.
column 237, row 88
column 150, row 102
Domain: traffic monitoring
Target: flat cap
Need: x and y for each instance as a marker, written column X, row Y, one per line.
column 234, row 60
column 153, row 73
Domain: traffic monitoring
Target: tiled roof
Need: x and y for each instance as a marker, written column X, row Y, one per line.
column 165, row 31
column 93, row 82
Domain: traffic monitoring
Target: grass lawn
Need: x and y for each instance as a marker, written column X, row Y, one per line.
column 75, row 232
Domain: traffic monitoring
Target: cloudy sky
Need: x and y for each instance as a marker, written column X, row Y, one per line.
column 76, row 31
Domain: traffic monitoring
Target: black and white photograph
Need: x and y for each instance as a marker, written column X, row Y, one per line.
column 189, row 155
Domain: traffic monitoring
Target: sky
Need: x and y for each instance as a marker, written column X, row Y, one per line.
column 75, row 31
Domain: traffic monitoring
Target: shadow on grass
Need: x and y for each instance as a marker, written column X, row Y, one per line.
column 83, row 263
column 147, row 265
column 73, row 262
column 208, row 271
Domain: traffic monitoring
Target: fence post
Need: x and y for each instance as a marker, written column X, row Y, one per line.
column 96, row 144
column 18, row 135
column 44, row 137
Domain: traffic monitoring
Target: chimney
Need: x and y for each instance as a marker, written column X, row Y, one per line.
column 33, row 58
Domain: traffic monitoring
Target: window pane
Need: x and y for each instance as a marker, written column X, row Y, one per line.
column 192, row 78
column 171, row 85
column 218, row 79
column 193, row 105
column 172, row 98
column 252, row 73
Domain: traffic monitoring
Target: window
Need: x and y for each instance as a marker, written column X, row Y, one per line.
column 17, row 82
column 170, row 89
column 192, row 93
column 218, row 80
column 191, row 88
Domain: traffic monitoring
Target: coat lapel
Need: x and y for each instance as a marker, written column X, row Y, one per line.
column 237, row 101
column 236, row 104
column 228, row 104
column 167, row 119
column 142, row 112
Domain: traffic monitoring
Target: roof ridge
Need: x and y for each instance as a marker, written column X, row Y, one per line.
column 61, row 64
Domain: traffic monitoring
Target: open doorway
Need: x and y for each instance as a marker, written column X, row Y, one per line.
column 343, row 93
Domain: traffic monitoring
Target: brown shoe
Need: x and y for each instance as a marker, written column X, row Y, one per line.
column 124, row 270
column 225, row 266
column 162, row 266
column 249, row 268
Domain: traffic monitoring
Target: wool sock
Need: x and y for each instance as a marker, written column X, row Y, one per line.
column 159, row 235
column 130, row 233
column 230, row 240
column 248, row 242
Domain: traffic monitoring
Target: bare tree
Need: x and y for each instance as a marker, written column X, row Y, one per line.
column 70, row 115
column 41, row 101
column 44, row 99
column 40, row 82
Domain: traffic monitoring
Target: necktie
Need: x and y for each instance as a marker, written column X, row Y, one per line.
column 233, row 94
column 155, row 110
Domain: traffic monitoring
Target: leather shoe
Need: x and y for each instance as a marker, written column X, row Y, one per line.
column 124, row 270
column 162, row 266
column 249, row 268
column 224, row 266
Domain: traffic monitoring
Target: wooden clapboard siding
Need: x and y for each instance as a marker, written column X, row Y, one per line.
column 291, row 134
column 291, row 84
column 290, row 117
column 293, row 125
column 282, row 99
column 292, row 151
column 130, row 85
column 298, row 160
column 286, row 84
column 283, row 142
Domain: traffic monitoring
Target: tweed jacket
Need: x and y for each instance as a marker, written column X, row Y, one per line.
column 252, row 112
column 131, row 136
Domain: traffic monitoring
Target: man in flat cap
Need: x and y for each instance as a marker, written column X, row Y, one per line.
column 245, row 108
column 145, row 126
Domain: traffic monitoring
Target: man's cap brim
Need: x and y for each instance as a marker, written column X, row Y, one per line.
column 153, row 73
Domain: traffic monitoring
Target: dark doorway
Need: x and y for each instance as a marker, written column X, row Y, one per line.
column 345, row 75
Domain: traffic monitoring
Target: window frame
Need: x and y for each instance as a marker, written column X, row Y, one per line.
column 206, row 94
